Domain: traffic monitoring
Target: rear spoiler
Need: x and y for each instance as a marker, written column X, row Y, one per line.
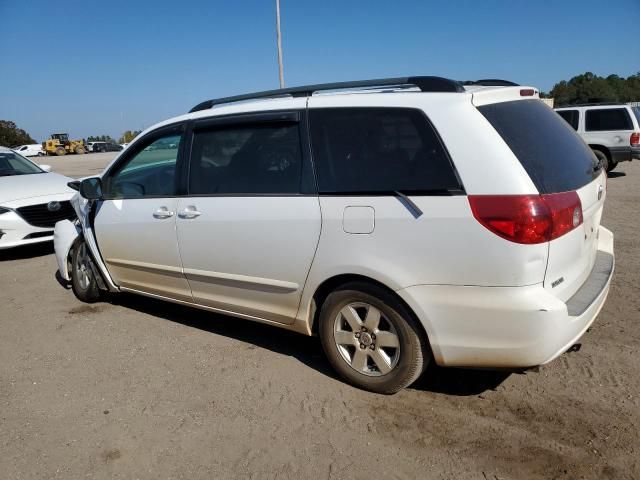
column 484, row 96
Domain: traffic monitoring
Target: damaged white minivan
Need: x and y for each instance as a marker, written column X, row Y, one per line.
column 405, row 221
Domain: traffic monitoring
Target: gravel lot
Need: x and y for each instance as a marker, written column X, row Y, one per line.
column 142, row 389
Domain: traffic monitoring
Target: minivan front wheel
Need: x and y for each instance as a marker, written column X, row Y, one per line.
column 371, row 340
column 83, row 280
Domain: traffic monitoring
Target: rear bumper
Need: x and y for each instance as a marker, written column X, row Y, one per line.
column 509, row 327
column 623, row 154
column 635, row 153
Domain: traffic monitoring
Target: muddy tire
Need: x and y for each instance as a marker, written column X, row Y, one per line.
column 371, row 340
column 60, row 151
column 80, row 150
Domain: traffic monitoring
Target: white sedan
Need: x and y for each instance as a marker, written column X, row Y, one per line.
column 32, row 200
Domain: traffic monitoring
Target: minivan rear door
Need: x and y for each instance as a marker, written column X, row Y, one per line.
column 557, row 160
column 249, row 225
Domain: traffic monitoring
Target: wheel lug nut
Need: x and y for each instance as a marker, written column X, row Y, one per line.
column 372, row 347
column 362, row 345
column 357, row 334
column 373, row 336
column 364, row 329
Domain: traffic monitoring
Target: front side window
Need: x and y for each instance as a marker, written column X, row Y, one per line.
column 570, row 116
column 151, row 172
column 378, row 150
column 246, row 159
column 607, row 119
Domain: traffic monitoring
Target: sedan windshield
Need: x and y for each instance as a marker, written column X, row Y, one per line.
column 14, row 164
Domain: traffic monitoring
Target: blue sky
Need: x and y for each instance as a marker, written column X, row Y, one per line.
column 108, row 66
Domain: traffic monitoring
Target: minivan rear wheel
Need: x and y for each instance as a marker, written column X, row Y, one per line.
column 371, row 340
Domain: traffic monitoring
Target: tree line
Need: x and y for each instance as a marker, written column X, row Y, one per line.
column 591, row 88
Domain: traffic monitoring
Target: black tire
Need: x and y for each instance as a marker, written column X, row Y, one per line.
column 85, row 291
column 612, row 166
column 603, row 158
column 406, row 363
column 60, row 151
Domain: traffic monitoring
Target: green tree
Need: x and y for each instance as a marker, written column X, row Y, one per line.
column 12, row 136
column 128, row 136
column 589, row 87
column 100, row 138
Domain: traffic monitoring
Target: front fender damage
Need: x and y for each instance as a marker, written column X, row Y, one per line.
column 65, row 235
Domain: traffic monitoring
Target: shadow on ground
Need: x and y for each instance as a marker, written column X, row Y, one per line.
column 26, row 251
column 307, row 350
column 616, row 174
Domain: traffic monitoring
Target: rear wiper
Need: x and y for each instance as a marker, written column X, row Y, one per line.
column 408, row 204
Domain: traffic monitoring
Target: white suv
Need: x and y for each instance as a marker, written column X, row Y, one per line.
column 612, row 130
column 403, row 220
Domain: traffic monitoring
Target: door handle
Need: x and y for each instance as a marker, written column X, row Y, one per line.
column 162, row 213
column 189, row 213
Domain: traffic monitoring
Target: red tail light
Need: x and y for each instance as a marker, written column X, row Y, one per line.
column 635, row 139
column 528, row 219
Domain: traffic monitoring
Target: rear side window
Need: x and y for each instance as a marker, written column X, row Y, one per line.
column 636, row 112
column 554, row 156
column 570, row 116
column 608, row 119
column 246, row 159
column 379, row 150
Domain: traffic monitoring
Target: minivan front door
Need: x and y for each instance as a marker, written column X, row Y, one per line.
column 249, row 228
column 135, row 223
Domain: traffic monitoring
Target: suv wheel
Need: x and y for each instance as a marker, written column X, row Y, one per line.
column 83, row 281
column 604, row 160
column 371, row 340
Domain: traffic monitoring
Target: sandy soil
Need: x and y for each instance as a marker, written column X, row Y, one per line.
column 142, row 389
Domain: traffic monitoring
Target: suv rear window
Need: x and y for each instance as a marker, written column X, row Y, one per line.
column 607, row 119
column 379, row 150
column 554, row 156
column 570, row 116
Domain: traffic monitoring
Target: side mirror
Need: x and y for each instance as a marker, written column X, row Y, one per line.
column 91, row 188
column 46, row 168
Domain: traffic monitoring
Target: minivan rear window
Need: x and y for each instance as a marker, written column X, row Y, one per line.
column 375, row 150
column 551, row 152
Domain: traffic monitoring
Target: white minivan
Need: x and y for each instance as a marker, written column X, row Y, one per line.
column 405, row 221
column 33, row 150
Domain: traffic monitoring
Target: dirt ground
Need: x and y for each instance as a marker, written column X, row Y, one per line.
column 143, row 389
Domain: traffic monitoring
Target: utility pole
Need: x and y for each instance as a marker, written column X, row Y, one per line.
column 279, row 40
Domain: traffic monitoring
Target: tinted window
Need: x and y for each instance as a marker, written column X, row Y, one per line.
column 636, row 112
column 554, row 156
column 149, row 172
column 378, row 150
column 570, row 116
column 608, row 119
column 246, row 159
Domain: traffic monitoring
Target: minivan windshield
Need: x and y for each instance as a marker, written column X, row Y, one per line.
column 13, row 164
column 552, row 153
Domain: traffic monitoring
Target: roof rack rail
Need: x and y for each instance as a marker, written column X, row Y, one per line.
column 425, row 84
column 591, row 104
column 491, row 82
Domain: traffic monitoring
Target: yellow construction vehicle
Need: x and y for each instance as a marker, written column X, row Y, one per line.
column 59, row 144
